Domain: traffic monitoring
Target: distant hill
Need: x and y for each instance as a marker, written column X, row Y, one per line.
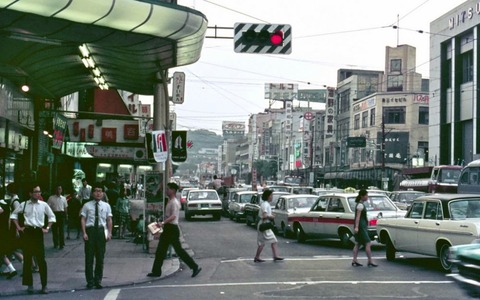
column 200, row 139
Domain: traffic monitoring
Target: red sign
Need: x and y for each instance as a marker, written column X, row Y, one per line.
column 130, row 131
column 109, row 135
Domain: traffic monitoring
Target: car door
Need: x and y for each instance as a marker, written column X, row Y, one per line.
column 406, row 229
column 313, row 222
column 333, row 216
column 280, row 212
column 429, row 228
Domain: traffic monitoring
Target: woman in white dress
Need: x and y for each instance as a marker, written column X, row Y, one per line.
column 267, row 236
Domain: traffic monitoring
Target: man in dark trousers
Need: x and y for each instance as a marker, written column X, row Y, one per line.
column 34, row 212
column 58, row 203
column 171, row 236
column 96, row 216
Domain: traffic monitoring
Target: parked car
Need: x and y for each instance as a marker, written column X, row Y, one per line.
column 432, row 225
column 288, row 206
column 403, row 199
column 183, row 196
column 466, row 267
column 332, row 216
column 203, row 202
column 236, row 208
column 252, row 208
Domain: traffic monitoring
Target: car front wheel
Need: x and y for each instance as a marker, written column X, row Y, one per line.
column 345, row 237
column 444, row 255
column 301, row 236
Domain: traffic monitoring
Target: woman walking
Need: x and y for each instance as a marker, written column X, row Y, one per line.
column 267, row 236
column 361, row 230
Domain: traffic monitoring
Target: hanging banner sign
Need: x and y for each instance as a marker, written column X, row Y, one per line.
column 179, row 148
column 59, row 128
column 160, row 148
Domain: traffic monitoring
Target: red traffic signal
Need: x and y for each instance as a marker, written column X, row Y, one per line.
column 277, row 38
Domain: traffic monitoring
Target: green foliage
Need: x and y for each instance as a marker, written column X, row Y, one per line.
column 266, row 169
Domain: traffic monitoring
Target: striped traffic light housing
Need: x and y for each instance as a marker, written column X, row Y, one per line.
column 262, row 38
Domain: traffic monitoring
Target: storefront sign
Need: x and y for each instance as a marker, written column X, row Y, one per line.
column 109, row 135
column 130, row 131
column 113, row 152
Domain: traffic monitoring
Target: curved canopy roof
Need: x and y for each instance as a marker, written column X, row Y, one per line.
column 130, row 42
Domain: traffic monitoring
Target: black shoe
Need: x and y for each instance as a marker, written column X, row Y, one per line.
column 11, row 274
column 154, row 274
column 258, row 260
column 372, row 265
column 356, row 264
column 44, row 290
column 98, row 286
column 30, row 289
column 278, row 258
column 89, row 285
column 196, row 271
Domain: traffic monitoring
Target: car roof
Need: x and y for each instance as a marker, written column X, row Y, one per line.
column 246, row 192
column 447, row 197
column 289, row 196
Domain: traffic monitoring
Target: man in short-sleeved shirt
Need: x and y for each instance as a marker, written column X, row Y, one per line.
column 96, row 217
column 58, row 203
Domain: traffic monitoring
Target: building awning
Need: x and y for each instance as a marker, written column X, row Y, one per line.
column 130, row 41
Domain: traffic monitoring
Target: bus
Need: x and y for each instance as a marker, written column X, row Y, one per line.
column 469, row 178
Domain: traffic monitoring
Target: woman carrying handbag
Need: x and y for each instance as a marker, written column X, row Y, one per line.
column 267, row 236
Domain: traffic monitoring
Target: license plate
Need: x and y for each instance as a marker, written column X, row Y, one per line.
column 204, row 205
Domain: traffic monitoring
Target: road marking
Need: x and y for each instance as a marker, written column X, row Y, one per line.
column 112, row 294
column 313, row 258
column 343, row 282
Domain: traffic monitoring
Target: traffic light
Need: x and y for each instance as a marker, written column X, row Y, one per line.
column 262, row 38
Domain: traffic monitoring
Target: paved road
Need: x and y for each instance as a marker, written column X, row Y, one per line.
column 315, row 270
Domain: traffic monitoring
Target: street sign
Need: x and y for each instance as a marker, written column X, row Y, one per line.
column 262, row 38
column 308, row 116
column 178, row 87
column 356, row 142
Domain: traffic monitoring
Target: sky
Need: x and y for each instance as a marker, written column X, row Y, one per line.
column 327, row 35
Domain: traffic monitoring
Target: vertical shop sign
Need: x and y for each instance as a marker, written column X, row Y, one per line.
column 160, row 149
column 59, row 129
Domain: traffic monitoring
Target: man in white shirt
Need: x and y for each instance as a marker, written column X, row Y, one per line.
column 58, row 203
column 85, row 191
column 34, row 212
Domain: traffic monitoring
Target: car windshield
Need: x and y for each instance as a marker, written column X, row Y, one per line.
column 465, row 209
column 245, row 198
column 373, row 203
column 202, row 195
column 301, row 190
column 408, row 197
column 301, row 202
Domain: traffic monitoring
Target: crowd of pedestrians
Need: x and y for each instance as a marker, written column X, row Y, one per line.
column 89, row 213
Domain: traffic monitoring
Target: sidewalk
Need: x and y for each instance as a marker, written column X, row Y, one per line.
column 125, row 264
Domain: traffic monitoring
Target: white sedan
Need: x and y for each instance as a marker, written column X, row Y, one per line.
column 289, row 205
column 432, row 225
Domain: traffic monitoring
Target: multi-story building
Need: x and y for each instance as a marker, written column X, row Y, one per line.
column 454, row 69
column 394, row 121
